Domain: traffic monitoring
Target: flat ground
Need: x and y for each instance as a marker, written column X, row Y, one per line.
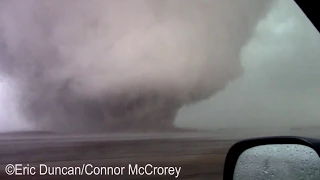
column 200, row 155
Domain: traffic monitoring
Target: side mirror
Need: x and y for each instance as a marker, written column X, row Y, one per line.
column 274, row 158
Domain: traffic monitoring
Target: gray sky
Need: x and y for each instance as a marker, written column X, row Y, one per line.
column 281, row 84
column 280, row 87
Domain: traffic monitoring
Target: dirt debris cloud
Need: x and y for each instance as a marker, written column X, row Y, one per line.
column 121, row 65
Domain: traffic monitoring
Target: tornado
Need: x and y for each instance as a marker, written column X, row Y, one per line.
column 121, row 65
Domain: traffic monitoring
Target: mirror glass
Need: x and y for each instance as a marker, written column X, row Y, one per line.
column 278, row 161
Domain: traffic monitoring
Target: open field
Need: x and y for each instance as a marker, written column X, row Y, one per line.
column 200, row 155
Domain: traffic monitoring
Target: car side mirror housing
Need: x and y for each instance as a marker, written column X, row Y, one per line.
column 274, row 158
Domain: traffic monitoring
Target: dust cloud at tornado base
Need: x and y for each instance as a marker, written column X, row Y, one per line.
column 119, row 65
